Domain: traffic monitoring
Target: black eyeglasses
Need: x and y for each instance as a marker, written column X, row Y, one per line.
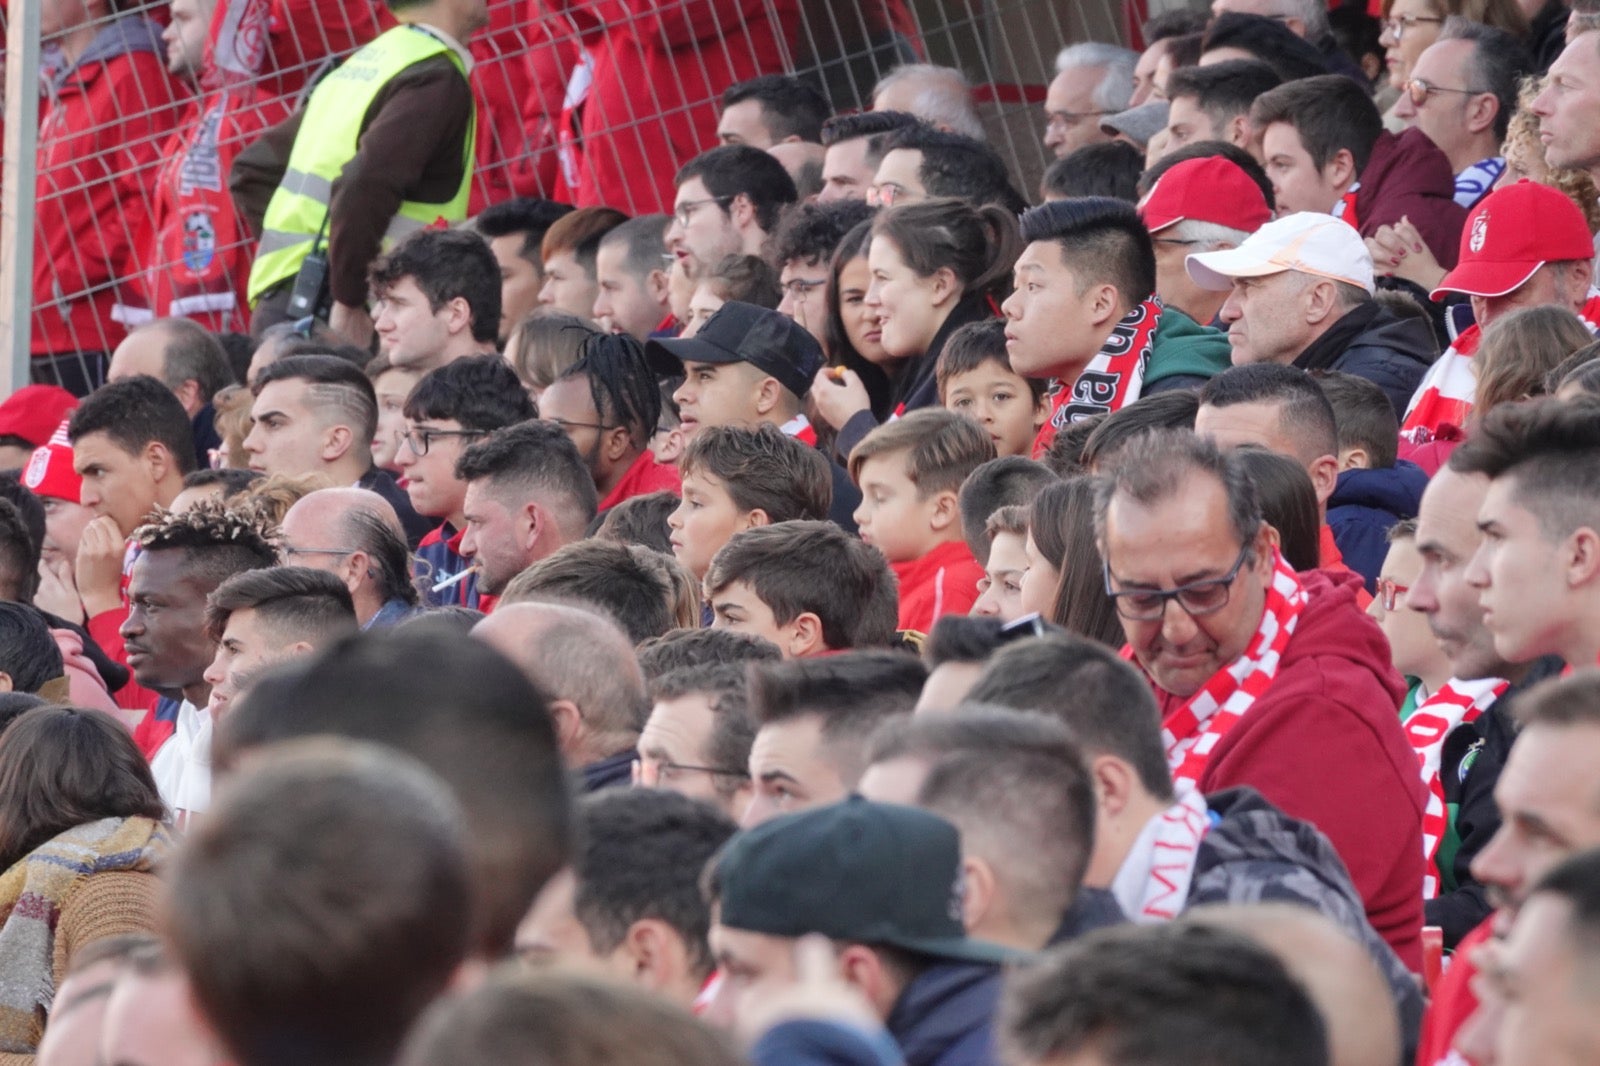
column 288, row 551
column 420, row 438
column 650, row 773
column 567, row 427
column 1397, row 25
column 1197, row 598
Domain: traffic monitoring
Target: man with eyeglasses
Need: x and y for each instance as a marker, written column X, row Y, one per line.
column 354, row 535
column 1462, row 91
column 450, row 408
column 1265, row 677
column 698, row 736
column 920, row 162
column 728, row 200
column 1092, row 80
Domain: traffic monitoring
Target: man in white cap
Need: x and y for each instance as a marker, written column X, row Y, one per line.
column 1302, row 295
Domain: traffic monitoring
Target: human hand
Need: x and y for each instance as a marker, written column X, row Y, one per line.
column 1399, row 251
column 353, row 323
column 818, row 993
column 839, row 395
column 58, row 591
column 98, row 571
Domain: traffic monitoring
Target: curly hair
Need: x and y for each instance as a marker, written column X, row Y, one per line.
column 220, row 540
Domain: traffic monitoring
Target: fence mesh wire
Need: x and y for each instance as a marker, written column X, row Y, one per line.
column 144, row 109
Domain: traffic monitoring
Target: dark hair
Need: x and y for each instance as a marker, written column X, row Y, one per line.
column 998, row 483
column 481, row 392
column 1184, row 49
column 641, row 857
column 622, row 386
column 237, row 348
column 1581, row 370
column 977, row 244
column 1364, row 416
column 1155, row 466
column 580, row 233
column 217, row 542
column 810, row 232
column 975, row 344
column 955, row 165
column 362, row 922
column 1206, row 150
column 1062, row 525
column 1497, row 65
column 1288, row 504
column 1066, row 454
column 536, row 458
column 851, row 693
column 605, row 574
column 941, row 449
column 294, row 602
column 735, row 170
column 14, row 705
column 1138, row 994
column 1110, row 169
column 1173, row 409
column 1330, row 113
column 1301, row 404
column 491, row 741
column 789, row 106
column 1552, row 448
column 1178, row 22
column 960, row 638
column 1224, row 90
column 333, row 384
column 727, row 693
column 848, row 127
column 1101, row 241
column 526, row 215
column 856, row 604
column 1276, row 45
column 364, row 529
column 853, row 246
column 640, row 521
column 746, row 279
column 20, row 551
column 681, row 649
column 763, row 469
column 644, row 239
column 28, row 653
column 62, row 767
column 447, row 265
column 192, row 353
column 134, row 413
column 232, row 479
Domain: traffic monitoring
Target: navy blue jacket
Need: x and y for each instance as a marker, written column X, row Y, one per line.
column 1365, row 505
column 945, row 1016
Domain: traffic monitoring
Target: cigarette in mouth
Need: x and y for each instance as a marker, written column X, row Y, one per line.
column 456, row 580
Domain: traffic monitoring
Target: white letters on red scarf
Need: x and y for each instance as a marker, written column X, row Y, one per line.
column 1152, row 885
column 1457, row 703
column 1192, row 731
column 1113, row 379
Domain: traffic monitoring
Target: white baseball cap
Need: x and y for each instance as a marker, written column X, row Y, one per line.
column 1306, row 241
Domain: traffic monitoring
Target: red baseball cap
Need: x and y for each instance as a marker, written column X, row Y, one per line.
column 49, row 471
column 34, row 411
column 1212, row 189
column 1513, row 232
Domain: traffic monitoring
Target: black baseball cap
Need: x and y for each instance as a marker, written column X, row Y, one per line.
column 874, row 873
column 773, row 343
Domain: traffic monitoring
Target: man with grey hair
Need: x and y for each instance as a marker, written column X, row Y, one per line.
column 585, row 664
column 1093, row 80
column 187, row 359
column 630, row 273
column 939, row 96
column 355, row 535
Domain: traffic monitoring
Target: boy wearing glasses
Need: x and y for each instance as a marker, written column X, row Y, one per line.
column 1265, row 677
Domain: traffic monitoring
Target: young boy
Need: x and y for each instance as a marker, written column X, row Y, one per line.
column 910, row 472
column 975, row 379
column 766, row 582
column 735, row 479
column 1000, row 591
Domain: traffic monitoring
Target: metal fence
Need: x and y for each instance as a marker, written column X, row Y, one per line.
column 123, row 182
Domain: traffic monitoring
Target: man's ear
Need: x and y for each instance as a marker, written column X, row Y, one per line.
column 805, row 636
column 657, row 955
column 1321, row 302
column 1114, row 784
column 457, row 314
column 946, row 511
column 336, row 441
column 1237, row 131
column 1482, row 110
column 568, row 720
column 1324, row 477
column 1340, row 171
column 616, row 443
column 743, row 211
column 978, row 892
column 1105, row 304
column 659, row 286
column 189, row 395
column 160, row 463
column 769, row 394
column 1583, row 558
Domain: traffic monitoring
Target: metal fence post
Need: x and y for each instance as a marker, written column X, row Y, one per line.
column 17, row 182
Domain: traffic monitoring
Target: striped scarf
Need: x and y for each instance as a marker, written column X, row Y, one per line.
column 1457, row 703
column 1152, row 885
column 32, row 893
column 1192, row 732
column 1113, row 379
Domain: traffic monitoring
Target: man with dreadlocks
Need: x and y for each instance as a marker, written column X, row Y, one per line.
column 608, row 402
column 183, row 558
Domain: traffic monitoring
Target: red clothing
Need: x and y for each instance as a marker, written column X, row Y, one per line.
column 644, row 477
column 1324, row 744
column 501, row 82
column 1452, row 1002
column 1408, row 177
column 1329, row 557
column 945, row 581
column 100, row 142
column 659, row 74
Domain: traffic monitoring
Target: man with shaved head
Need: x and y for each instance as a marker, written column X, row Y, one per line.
column 355, row 535
column 586, row 665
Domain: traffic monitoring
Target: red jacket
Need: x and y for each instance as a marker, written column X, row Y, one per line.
column 643, row 477
column 1407, row 176
column 510, row 131
column 1452, row 1001
column 945, row 581
column 100, row 141
column 1324, row 744
column 659, row 73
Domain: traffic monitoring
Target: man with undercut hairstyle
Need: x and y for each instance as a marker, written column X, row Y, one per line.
column 515, row 229
column 609, row 403
column 447, row 410
column 630, row 903
column 1085, row 313
column 438, row 299
column 765, row 581
column 813, row 718
column 630, row 274
column 920, row 163
column 354, row 535
column 617, row 579
column 1538, row 568
column 1017, row 788
column 1002, row 482
column 728, row 200
column 698, row 736
column 802, row 249
column 528, row 493
column 1142, row 995
column 771, row 109
column 850, row 159
column 1212, row 103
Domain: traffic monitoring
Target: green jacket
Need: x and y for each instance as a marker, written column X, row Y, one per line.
column 1184, row 347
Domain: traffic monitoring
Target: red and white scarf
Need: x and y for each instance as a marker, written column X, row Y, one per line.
column 1457, row 703
column 1152, row 884
column 1446, row 392
column 1192, row 732
column 1113, row 379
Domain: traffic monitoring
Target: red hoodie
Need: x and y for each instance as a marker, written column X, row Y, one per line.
column 945, row 581
column 1324, row 744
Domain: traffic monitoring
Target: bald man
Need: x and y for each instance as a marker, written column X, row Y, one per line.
column 356, row 536
column 586, row 665
column 1337, row 972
